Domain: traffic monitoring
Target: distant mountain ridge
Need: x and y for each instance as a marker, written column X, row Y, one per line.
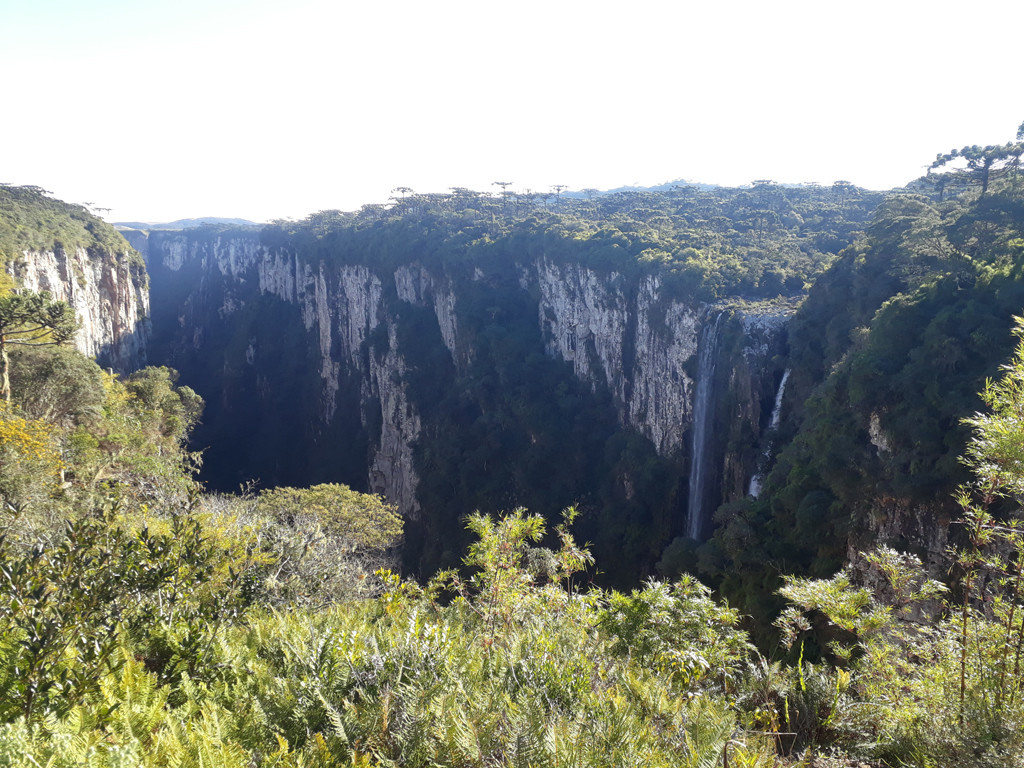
column 186, row 223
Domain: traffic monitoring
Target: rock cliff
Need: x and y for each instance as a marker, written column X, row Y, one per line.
column 627, row 337
column 109, row 293
column 644, row 346
column 214, row 292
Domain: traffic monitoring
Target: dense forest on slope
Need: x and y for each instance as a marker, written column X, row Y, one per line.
column 49, row 246
column 888, row 355
column 762, row 242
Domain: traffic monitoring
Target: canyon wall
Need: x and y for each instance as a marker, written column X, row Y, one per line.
column 312, row 354
column 109, row 293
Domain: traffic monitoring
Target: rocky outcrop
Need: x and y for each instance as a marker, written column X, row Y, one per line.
column 110, row 296
column 906, row 523
column 415, row 285
column 392, row 470
column 755, row 378
column 921, row 527
column 643, row 345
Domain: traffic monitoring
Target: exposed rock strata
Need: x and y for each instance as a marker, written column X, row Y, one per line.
column 623, row 334
column 109, row 294
column 631, row 339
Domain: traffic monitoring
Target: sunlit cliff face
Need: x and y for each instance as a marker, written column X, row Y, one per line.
column 108, row 293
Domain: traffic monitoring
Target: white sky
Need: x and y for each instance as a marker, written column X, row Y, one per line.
column 277, row 108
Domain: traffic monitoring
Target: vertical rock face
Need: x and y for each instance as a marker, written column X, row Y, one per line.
column 660, row 402
column 754, row 489
column 754, row 378
column 109, row 294
column 391, row 469
column 644, row 347
column 339, row 307
column 620, row 334
column 585, row 318
column 630, row 339
column 416, row 286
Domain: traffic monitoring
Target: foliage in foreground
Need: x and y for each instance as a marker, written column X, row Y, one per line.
column 145, row 624
column 933, row 676
column 888, row 354
column 516, row 670
column 148, row 629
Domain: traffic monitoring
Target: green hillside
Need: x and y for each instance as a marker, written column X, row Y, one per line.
column 32, row 220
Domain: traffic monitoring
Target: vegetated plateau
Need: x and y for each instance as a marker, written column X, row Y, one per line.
column 803, row 400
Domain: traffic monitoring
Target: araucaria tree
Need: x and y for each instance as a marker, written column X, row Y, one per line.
column 983, row 164
column 31, row 319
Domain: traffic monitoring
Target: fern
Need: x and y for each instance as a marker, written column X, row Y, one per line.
column 709, row 726
column 140, row 702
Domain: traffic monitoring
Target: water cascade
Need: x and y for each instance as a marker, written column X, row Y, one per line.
column 703, row 417
column 755, row 481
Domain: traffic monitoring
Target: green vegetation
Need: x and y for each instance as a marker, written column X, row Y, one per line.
column 327, row 539
column 31, row 220
column 983, row 164
column 31, row 320
column 762, row 242
column 95, row 434
column 948, row 660
column 364, row 520
column 144, row 623
column 888, row 353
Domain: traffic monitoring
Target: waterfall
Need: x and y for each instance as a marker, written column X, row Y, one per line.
column 703, row 417
column 755, row 481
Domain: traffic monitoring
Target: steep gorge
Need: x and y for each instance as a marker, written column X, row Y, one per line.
column 457, row 355
column 317, row 369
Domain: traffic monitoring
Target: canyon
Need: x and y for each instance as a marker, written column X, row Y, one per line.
column 313, row 354
column 453, row 358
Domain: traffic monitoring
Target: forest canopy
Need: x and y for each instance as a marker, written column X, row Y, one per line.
column 765, row 241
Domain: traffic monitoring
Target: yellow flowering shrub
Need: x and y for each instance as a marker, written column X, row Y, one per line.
column 30, row 462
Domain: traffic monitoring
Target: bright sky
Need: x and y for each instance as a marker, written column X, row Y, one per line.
column 277, row 108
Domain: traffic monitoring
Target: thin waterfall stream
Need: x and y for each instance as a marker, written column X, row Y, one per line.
column 755, row 481
column 703, row 418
